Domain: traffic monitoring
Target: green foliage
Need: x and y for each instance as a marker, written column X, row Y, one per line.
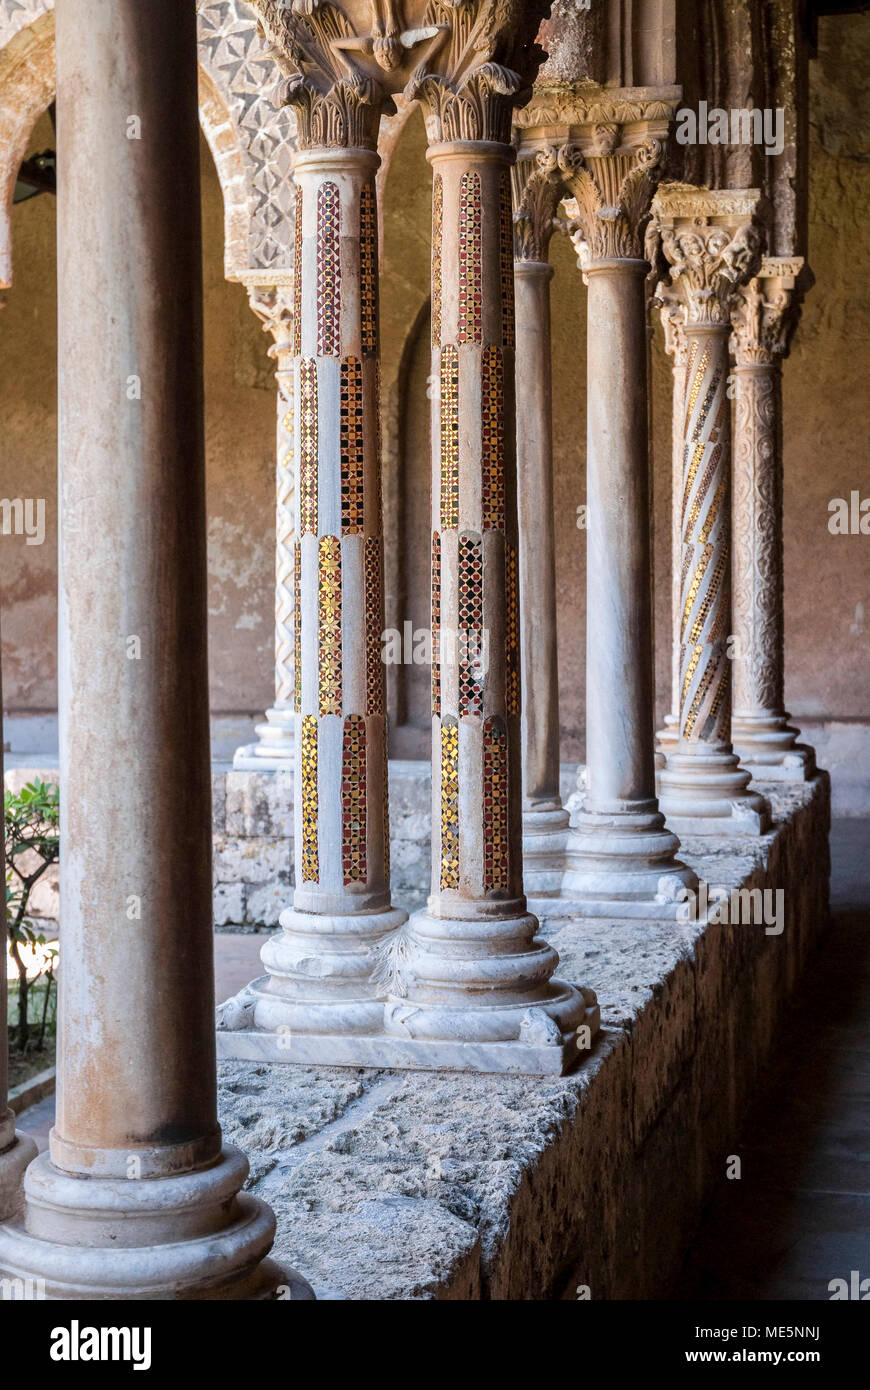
column 32, row 846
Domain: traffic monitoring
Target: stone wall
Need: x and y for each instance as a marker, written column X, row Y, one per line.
column 390, row 1185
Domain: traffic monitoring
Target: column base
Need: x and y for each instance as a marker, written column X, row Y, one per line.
column 623, row 864
column 705, row 793
column 769, row 748
column 322, row 976
column 16, row 1152
column 194, row 1236
column 276, row 747
column 545, row 835
column 442, row 1005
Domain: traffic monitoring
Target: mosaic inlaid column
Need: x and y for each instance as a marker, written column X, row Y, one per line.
column 763, row 316
column 271, row 298
column 321, row 965
column 711, row 246
column 137, row 1198
column 473, row 970
column 16, row 1150
column 673, row 317
column 537, row 190
column 621, row 858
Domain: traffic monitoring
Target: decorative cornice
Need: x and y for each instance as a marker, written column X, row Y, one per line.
column 537, row 192
column 711, row 245
column 765, row 312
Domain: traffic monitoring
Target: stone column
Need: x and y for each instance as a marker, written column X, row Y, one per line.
column 537, row 190
column 673, row 316
column 621, row 858
column 271, row 298
column 711, row 246
column 16, row 1150
column 471, row 969
column 763, row 318
column 137, row 1197
column 321, row 966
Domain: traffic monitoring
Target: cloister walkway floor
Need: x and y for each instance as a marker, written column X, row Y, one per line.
column 799, row 1216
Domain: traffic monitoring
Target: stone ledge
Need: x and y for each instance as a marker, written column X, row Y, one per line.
column 399, row 1185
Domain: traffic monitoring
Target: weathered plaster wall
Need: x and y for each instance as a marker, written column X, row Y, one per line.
column 240, row 429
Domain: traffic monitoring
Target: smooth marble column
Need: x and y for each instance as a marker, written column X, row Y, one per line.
column 137, row 1197
column 763, row 319
column 711, row 245
column 619, row 851
column 545, row 821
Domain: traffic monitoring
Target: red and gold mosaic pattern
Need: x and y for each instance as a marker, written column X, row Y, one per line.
column 328, row 269
column 329, row 625
column 449, row 806
column 368, row 269
column 374, row 613
column 297, row 627
column 353, row 799
column 512, row 630
column 470, row 626
column 436, row 624
column 506, row 261
column 495, row 806
column 352, row 450
column 449, row 438
column 437, row 216
column 492, row 438
column 297, row 276
column 470, row 245
column 308, row 447
column 310, row 865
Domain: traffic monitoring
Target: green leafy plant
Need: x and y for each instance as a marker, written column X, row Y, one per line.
column 32, row 846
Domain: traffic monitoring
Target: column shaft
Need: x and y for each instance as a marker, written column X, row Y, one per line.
column 763, row 319
column 473, row 966
column 136, row 1095
column 545, row 822
column 620, row 850
column 321, row 967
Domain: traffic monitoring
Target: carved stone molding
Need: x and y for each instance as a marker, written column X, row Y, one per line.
column 765, row 312
column 611, row 190
column 711, row 245
column 467, row 61
column 562, row 104
column 270, row 295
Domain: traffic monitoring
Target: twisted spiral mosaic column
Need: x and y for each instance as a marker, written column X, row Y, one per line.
column 675, row 346
column 703, row 786
column 321, row 966
column 471, row 967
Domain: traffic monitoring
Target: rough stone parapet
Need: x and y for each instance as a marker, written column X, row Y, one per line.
column 394, row 1185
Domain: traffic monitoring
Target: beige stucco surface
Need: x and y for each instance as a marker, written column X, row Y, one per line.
column 827, row 578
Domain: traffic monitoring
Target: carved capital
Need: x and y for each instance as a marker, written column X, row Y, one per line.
column 537, row 192
column 673, row 315
column 270, row 295
column 712, row 247
column 765, row 312
column 611, row 180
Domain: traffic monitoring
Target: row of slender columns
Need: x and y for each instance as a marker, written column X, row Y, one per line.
column 467, row 982
column 137, row 1197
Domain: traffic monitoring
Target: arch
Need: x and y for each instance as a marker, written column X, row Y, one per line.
column 27, row 87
